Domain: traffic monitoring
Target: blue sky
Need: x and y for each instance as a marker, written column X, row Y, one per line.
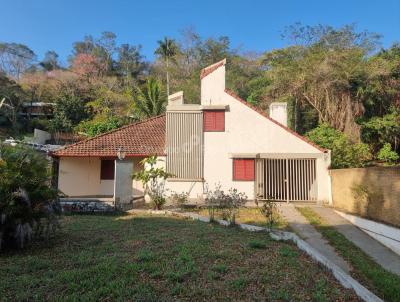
column 252, row 24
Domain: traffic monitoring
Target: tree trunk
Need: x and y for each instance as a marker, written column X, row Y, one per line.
column 167, row 78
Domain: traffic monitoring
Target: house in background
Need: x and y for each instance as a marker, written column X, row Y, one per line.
column 223, row 140
column 37, row 110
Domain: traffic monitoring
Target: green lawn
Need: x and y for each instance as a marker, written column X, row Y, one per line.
column 383, row 283
column 147, row 258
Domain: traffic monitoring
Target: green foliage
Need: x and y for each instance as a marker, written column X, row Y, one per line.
column 98, row 126
column 381, row 130
column 11, row 99
column 153, row 179
column 38, row 123
column 269, row 210
column 26, row 198
column 387, row 155
column 179, row 199
column 149, row 102
column 257, row 244
column 167, row 49
column 344, row 153
column 15, row 59
column 69, row 110
column 324, row 69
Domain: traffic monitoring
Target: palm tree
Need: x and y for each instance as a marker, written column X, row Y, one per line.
column 167, row 50
column 150, row 102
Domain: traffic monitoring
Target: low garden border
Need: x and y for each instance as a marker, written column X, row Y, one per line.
column 344, row 279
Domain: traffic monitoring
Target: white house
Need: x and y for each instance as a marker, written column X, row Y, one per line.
column 222, row 140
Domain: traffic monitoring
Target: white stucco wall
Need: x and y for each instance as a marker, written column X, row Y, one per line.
column 246, row 131
column 137, row 186
column 80, row 176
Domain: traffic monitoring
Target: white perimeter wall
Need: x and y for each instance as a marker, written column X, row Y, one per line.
column 385, row 234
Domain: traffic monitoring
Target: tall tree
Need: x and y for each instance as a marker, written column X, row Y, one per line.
column 323, row 71
column 11, row 100
column 130, row 61
column 167, row 50
column 105, row 49
column 15, row 59
column 50, row 61
column 86, row 46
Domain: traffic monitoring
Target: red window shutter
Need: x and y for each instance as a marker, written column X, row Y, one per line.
column 107, row 169
column 243, row 169
column 214, row 120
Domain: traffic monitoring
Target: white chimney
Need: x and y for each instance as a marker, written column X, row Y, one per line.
column 175, row 99
column 278, row 112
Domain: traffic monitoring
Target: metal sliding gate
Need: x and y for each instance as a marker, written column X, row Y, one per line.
column 286, row 179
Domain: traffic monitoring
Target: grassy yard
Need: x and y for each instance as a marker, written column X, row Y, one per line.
column 147, row 258
column 385, row 284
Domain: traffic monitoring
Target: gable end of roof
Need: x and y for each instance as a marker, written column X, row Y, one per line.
column 235, row 96
column 209, row 69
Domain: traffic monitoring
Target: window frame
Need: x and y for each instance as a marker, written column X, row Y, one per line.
column 244, row 178
column 215, row 111
column 107, row 175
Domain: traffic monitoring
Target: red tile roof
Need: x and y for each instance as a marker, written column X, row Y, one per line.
column 139, row 139
column 209, row 69
column 272, row 120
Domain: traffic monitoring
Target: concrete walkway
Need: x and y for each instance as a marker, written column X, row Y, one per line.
column 308, row 233
column 380, row 253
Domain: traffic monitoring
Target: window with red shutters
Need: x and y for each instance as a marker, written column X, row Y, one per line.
column 243, row 169
column 214, row 120
column 107, row 169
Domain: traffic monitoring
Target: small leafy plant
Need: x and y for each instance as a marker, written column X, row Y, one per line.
column 387, row 155
column 153, row 179
column 268, row 209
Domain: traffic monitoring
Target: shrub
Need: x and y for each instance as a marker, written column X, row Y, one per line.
column 28, row 205
column 381, row 130
column 268, row 209
column 42, row 124
column 153, row 180
column 228, row 203
column 387, row 155
column 345, row 154
column 179, row 198
column 98, row 126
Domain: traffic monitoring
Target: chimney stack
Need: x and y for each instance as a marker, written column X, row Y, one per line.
column 175, row 99
column 278, row 112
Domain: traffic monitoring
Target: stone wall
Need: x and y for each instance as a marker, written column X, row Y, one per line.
column 372, row 193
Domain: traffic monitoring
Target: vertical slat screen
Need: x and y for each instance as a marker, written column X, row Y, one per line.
column 286, row 179
column 185, row 145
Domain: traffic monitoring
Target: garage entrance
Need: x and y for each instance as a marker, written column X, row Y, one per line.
column 286, row 179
